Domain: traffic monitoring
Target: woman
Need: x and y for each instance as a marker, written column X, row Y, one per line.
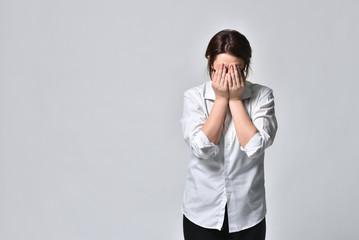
column 227, row 122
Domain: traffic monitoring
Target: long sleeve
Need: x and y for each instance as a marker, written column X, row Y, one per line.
column 263, row 117
column 193, row 118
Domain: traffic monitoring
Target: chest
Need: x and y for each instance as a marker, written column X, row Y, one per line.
column 228, row 119
column 228, row 130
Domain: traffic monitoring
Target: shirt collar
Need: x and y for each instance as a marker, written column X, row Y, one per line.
column 209, row 93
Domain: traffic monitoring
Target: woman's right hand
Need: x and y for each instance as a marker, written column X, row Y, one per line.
column 219, row 83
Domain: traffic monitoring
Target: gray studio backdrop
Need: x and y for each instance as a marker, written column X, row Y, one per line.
column 91, row 96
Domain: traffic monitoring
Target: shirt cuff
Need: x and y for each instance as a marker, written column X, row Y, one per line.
column 204, row 148
column 254, row 145
column 202, row 141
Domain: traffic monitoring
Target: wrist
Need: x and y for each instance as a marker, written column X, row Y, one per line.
column 235, row 100
column 222, row 99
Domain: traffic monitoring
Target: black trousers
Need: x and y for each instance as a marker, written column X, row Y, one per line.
column 192, row 231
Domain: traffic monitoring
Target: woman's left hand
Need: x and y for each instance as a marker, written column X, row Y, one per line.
column 236, row 82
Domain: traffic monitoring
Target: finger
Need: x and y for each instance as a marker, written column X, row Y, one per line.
column 237, row 76
column 223, row 71
column 219, row 72
column 216, row 74
column 232, row 76
column 229, row 80
column 226, row 80
column 243, row 79
column 223, row 77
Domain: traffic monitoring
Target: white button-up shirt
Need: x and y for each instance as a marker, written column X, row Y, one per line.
column 226, row 173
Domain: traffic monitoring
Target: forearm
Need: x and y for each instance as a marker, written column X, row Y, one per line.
column 212, row 128
column 245, row 129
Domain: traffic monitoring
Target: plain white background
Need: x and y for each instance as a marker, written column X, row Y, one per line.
column 91, row 96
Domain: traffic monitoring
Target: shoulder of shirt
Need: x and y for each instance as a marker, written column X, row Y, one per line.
column 197, row 91
column 258, row 91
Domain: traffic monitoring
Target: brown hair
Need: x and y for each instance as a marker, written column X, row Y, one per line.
column 231, row 42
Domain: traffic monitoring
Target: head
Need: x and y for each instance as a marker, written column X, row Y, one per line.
column 229, row 46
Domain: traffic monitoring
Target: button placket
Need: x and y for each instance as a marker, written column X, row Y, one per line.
column 227, row 143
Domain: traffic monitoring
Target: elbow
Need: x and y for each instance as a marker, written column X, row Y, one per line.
column 256, row 146
column 202, row 147
column 205, row 152
column 255, row 153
